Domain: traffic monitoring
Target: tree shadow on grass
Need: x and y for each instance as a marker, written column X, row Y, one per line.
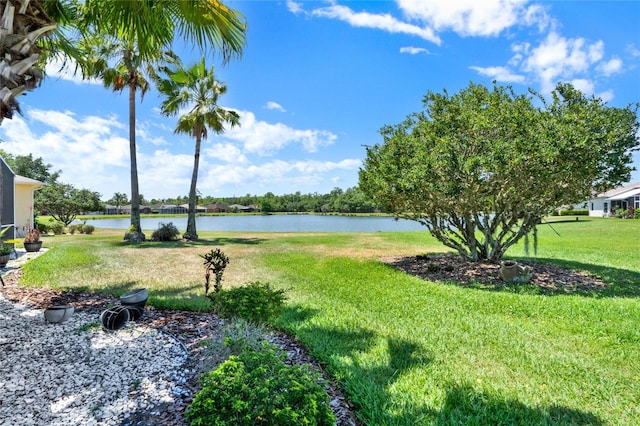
column 620, row 282
column 464, row 405
column 369, row 386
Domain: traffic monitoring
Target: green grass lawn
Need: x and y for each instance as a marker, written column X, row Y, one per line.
column 409, row 351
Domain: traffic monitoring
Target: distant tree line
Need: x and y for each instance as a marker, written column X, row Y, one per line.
column 351, row 200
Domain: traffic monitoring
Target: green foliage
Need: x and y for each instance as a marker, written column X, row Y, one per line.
column 73, row 228
column 87, row 229
column 214, row 262
column 257, row 387
column 480, row 168
column 55, row 227
column 65, row 202
column 165, row 232
column 574, row 212
column 256, row 302
column 5, row 249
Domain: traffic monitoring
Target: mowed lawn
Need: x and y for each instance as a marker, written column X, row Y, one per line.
column 409, row 351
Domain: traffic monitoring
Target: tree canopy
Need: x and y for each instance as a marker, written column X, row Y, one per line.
column 64, row 202
column 482, row 167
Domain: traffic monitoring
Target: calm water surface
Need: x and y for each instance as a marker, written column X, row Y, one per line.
column 273, row 223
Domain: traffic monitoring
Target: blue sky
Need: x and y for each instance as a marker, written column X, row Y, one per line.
column 316, row 82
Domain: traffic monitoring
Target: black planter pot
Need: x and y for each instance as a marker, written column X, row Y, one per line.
column 114, row 318
column 33, row 247
column 4, row 259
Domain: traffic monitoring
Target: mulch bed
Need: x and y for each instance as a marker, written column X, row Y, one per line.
column 191, row 328
column 450, row 268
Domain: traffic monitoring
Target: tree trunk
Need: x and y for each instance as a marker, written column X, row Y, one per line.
column 191, row 233
column 134, row 232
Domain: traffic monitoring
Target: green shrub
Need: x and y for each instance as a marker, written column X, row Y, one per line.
column 165, row 232
column 258, row 388
column 574, row 212
column 73, row 228
column 56, row 228
column 255, row 302
column 237, row 334
column 87, row 229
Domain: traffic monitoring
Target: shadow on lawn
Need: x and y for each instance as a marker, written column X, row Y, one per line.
column 620, row 282
column 148, row 244
column 465, row 405
column 369, row 384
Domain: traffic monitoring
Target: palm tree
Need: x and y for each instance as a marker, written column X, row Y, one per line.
column 195, row 88
column 145, row 28
column 29, row 35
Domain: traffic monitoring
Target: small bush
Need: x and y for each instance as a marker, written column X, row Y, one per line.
column 255, row 302
column 72, row 228
column 258, row 388
column 56, row 228
column 87, row 229
column 165, row 232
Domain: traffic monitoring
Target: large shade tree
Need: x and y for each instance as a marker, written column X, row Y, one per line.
column 482, row 167
column 143, row 30
column 196, row 91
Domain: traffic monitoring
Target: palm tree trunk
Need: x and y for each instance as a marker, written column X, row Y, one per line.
column 134, row 232
column 191, row 233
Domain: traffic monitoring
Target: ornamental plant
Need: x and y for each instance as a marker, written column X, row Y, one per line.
column 215, row 263
column 257, row 387
column 255, row 302
column 33, row 236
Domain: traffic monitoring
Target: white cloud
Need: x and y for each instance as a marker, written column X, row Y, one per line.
column 558, row 58
column 262, row 138
column 606, row 96
column 57, row 69
column 472, row 17
column 275, row 106
column 414, row 50
column 384, row 22
column 226, row 152
column 583, row 85
column 294, row 7
column 501, row 74
column 277, row 173
column 610, row 67
column 93, row 153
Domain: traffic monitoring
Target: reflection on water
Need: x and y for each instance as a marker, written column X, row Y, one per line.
column 272, row 223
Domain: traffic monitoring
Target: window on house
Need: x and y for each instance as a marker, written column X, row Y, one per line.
column 591, row 206
column 606, row 207
column 636, row 202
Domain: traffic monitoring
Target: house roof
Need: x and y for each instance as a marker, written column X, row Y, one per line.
column 622, row 192
column 22, row 180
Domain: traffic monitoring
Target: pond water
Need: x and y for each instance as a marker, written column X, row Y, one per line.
column 272, row 223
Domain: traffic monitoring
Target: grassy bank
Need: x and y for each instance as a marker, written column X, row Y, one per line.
column 409, row 351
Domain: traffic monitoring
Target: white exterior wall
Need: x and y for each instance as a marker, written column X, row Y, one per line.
column 23, row 204
column 596, row 207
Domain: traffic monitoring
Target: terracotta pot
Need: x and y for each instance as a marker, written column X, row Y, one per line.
column 508, row 270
